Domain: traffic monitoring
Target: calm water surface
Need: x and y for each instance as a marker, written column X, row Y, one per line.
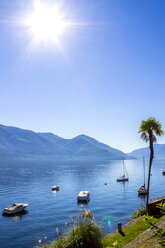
column 31, row 182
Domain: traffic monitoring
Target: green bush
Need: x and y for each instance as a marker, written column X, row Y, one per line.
column 160, row 232
column 83, row 234
column 161, row 206
column 139, row 212
column 150, row 220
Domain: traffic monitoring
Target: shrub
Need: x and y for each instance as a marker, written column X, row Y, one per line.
column 150, row 220
column 139, row 212
column 160, row 232
column 161, row 206
column 84, row 234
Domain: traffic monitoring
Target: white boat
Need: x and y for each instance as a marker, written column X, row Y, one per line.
column 56, row 187
column 83, row 196
column 15, row 208
column 142, row 190
column 123, row 178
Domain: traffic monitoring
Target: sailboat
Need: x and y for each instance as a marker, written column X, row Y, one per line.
column 142, row 190
column 123, row 178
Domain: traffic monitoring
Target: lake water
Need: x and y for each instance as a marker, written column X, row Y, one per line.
column 31, row 182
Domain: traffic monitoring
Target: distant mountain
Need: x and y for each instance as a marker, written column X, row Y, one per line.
column 159, row 152
column 16, row 143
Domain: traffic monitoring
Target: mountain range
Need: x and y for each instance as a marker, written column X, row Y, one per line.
column 159, row 152
column 17, row 143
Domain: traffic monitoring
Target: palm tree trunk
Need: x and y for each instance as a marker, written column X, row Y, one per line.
column 150, row 164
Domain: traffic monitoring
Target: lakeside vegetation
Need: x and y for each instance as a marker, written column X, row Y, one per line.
column 88, row 235
column 84, row 233
column 134, row 229
column 129, row 233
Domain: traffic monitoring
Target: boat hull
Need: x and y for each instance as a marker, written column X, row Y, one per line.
column 19, row 209
column 84, row 196
column 122, row 179
column 8, row 212
column 142, row 192
column 83, row 199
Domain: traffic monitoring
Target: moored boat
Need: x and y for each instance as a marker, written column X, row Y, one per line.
column 56, row 187
column 14, row 208
column 123, row 178
column 142, row 190
column 83, row 196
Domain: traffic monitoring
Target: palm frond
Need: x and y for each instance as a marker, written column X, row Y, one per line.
column 154, row 139
column 145, row 136
column 148, row 126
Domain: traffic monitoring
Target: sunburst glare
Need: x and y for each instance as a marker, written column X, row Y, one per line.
column 46, row 22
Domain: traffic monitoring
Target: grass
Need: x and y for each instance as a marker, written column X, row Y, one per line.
column 84, row 235
column 162, row 218
column 128, row 234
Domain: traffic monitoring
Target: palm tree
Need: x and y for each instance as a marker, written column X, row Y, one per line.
column 149, row 129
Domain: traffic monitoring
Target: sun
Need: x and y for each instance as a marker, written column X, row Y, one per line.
column 43, row 23
column 46, row 22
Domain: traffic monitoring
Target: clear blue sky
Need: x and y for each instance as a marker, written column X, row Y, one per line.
column 110, row 76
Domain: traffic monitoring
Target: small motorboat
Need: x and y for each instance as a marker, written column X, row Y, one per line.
column 56, row 187
column 15, row 208
column 83, row 196
column 163, row 173
column 142, row 190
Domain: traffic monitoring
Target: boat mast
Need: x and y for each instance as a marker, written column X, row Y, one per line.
column 144, row 168
column 123, row 169
column 126, row 170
